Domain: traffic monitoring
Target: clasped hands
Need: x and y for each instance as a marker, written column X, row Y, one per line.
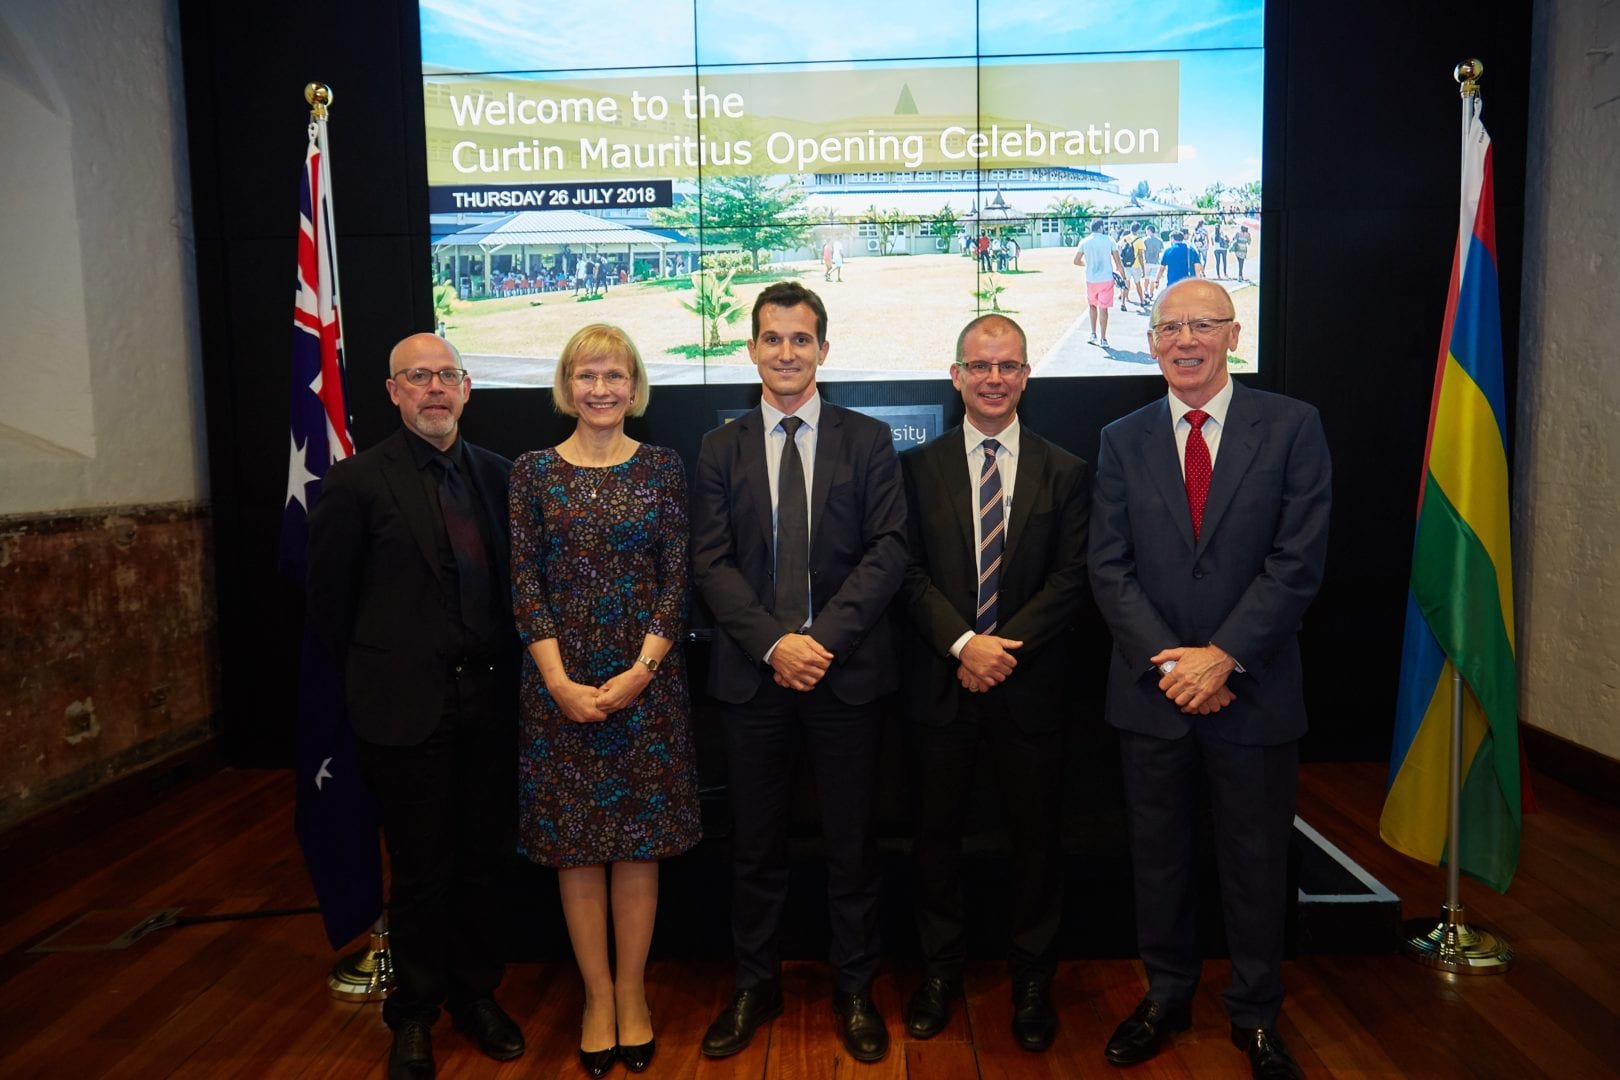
column 799, row 661
column 986, row 660
column 1197, row 684
column 585, row 704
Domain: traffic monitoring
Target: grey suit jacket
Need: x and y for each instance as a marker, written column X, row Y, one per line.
column 1244, row 585
column 1042, row 583
column 857, row 553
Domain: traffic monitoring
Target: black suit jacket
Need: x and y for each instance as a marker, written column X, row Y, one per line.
column 1042, row 584
column 1244, row 585
column 857, row 553
column 376, row 597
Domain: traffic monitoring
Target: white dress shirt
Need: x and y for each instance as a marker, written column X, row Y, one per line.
column 1216, row 408
column 775, row 443
column 1007, row 465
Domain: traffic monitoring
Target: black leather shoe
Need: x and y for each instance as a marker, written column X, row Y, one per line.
column 734, row 1028
column 637, row 1058
column 1268, row 1057
column 1034, row 1022
column 1145, row 1031
column 496, row 1034
column 865, row 1037
column 929, row 1009
column 412, row 1055
column 597, row 1062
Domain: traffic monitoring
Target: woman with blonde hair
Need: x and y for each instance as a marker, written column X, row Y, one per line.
column 607, row 776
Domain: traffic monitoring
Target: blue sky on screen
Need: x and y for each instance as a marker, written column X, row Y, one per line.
column 507, row 35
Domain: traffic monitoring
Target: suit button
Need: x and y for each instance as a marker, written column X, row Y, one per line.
column 1198, row 574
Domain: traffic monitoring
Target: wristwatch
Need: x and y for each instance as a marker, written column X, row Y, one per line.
column 650, row 661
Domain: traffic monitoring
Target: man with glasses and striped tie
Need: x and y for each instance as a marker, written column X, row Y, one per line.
column 996, row 519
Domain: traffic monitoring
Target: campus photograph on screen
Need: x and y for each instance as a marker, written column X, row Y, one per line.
column 655, row 164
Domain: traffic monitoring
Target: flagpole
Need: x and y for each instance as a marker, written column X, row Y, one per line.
column 367, row 974
column 1451, row 944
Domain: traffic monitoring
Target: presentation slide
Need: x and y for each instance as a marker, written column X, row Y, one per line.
column 656, row 163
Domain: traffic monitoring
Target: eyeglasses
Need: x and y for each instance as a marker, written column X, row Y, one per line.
column 980, row 369
column 1201, row 327
column 613, row 380
column 421, row 376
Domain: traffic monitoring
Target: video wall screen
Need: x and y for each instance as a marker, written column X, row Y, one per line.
column 655, row 164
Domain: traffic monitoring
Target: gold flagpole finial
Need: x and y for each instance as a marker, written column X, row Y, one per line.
column 319, row 96
column 1467, row 75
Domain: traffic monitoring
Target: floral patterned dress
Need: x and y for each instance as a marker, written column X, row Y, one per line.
column 599, row 562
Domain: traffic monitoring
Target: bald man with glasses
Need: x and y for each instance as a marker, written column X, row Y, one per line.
column 996, row 519
column 408, row 589
column 1208, row 536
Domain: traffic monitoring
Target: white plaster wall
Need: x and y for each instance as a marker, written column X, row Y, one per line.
column 1567, row 474
column 99, row 349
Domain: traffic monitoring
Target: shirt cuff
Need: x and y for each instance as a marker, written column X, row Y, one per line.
column 959, row 643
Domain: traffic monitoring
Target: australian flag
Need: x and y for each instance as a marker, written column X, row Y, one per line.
column 335, row 820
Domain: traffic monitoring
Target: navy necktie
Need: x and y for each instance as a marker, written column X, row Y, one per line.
column 792, row 535
column 992, row 539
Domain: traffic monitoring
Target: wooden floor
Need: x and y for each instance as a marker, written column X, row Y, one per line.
column 246, row 998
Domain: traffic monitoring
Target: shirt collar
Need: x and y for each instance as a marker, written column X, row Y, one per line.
column 809, row 412
column 1216, row 406
column 974, row 438
column 423, row 452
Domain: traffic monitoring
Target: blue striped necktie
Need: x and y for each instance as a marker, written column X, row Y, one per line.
column 992, row 538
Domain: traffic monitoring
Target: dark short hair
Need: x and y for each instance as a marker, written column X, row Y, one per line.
column 1097, row 225
column 1004, row 324
column 790, row 294
column 1153, row 228
column 1178, row 235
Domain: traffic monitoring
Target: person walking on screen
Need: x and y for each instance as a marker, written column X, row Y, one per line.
column 997, row 518
column 607, row 775
column 798, row 546
column 408, row 590
column 1100, row 259
column 1209, row 530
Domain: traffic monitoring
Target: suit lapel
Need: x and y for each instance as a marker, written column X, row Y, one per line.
column 405, row 483
column 1032, row 464
column 1240, row 441
column 751, row 430
column 1163, row 463
column 829, row 449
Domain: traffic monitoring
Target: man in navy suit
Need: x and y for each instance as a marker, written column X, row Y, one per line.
column 798, row 546
column 993, row 585
column 408, row 590
column 1208, row 535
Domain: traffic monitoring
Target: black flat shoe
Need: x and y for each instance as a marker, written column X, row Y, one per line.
column 637, row 1058
column 929, row 1009
column 734, row 1028
column 1268, row 1057
column 861, row 1026
column 597, row 1062
column 1034, row 1021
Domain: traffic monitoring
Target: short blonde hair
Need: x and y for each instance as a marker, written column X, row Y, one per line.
column 598, row 341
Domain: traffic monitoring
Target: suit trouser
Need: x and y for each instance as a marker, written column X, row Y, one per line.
column 448, row 809
column 841, row 741
column 1251, row 792
column 1029, row 769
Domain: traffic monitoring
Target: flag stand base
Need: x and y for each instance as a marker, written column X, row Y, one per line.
column 1452, row 945
column 366, row 974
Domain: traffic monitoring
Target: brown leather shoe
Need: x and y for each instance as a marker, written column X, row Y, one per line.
column 1144, row 1033
column 1268, row 1057
column 734, row 1028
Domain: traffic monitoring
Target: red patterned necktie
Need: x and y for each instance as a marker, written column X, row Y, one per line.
column 1196, row 469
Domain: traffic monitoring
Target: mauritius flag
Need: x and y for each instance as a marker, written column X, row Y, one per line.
column 1459, row 609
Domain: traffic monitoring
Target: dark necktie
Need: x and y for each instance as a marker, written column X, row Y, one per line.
column 466, row 544
column 1196, row 469
column 992, row 539
column 792, row 535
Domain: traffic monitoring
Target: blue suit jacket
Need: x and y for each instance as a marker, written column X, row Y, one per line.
column 1244, row 585
column 857, row 553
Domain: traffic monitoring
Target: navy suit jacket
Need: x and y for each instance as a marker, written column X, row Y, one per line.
column 857, row 553
column 1042, row 583
column 377, row 599
column 1244, row 585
